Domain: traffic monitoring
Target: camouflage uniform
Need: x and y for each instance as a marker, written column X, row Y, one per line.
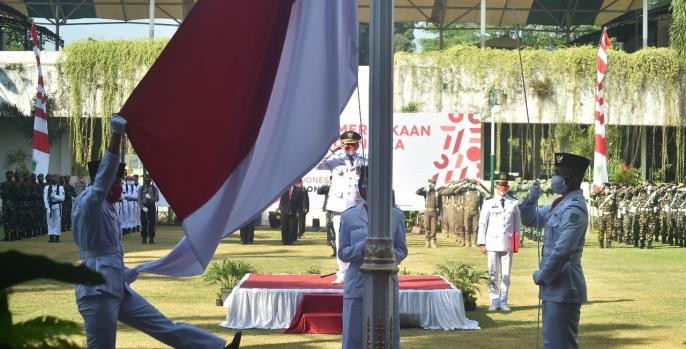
column 629, row 221
column 606, row 212
column 472, row 203
column 458, row 216
column 69, row 195
column 5, row 192
column 431, row 210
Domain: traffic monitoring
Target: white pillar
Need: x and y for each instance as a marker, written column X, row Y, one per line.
column 644, row 152
column 483, row 23
column 645, row 23
column 151, row 22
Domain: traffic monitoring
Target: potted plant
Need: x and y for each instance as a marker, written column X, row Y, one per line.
column 227, row 273
column 465, row 278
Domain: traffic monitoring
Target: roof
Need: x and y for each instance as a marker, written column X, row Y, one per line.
column 446, row 12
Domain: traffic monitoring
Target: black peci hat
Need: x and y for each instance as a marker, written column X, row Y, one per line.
column 573, row 162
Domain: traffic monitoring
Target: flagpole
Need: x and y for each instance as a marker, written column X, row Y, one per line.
column 379, row 266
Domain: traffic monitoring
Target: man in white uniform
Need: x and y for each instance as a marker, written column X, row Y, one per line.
column 498, row 222
column 343, row 193
column 53, row 196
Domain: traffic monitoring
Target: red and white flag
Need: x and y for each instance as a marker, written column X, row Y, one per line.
column 600, row 152
column 41, row 145
column 224, row 119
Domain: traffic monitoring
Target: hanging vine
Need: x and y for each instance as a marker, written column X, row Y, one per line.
column 99, row 76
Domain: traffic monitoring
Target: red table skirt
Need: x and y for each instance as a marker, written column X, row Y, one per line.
column 318, row 313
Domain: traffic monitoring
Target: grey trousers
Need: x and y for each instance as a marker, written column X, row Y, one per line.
column 100, row 314
column 561, row 325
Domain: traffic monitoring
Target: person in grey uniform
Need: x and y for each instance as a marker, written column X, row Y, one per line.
column 560, row 276
column 498, row 222
column 353, row 235
column 97, row 234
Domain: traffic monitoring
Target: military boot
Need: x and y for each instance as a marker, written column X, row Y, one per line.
column 433, row 243
column 609, row 244
column 600, row 242
column 57, row 238
column 650, row 244
column 52, row 238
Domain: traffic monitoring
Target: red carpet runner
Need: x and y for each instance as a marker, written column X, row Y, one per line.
column 407, row 282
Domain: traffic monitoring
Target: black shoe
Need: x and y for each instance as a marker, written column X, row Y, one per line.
column 144, row 241
column 52, row 238
column 152, row 240
column 236, row 342
column 57, row 238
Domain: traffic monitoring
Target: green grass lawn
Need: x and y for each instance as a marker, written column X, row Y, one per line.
column 637, row 298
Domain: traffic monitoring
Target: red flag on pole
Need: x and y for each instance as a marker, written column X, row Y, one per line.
column 246, row 112
column 600, row 149
column 41, row 146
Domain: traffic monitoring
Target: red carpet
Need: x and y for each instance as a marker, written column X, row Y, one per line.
column 407, row 282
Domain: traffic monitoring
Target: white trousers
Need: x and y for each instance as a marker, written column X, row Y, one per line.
column 342, row 266
column 100, row 314
column 55, row 221
column 130, row 214
column 499, row 264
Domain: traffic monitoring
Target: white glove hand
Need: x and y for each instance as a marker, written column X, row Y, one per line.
column 534, row 192
column 147, row 196
column 117, row 123
column 130, row 275
column 145, row 209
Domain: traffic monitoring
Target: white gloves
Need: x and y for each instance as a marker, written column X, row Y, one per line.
column 117, row 123
column 534, row 192
column 145, row 209
column 147, row 196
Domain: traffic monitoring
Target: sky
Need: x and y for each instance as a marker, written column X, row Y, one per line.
column 71, row 33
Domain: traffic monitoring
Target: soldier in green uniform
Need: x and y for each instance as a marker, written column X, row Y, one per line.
column 606, row 213
column 473, row 199
column 5, row 189
column 431, row 211
column 446, row 202
column 459, row 213
column 69, row 195
column 629, row 213
column 42, row 219
column 680, row 217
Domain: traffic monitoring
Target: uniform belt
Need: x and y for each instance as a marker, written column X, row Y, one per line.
column 131, row 199
column 106, row 251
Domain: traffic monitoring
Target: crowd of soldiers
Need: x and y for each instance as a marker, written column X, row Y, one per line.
column 23, row 205
column 460, row 203
column 641, row 215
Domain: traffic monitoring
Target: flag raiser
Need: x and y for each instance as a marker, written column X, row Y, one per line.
column 238, row 124
column 41, row 145
column 600, row 148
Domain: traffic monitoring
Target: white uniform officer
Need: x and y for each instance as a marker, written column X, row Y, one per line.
column 343, row 193
column 559, row 275
column 53, row 196
column 499, row 220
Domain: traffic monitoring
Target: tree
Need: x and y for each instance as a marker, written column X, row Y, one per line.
column 677, row 31
column 403, row 40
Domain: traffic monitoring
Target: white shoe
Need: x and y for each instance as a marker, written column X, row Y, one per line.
column 505, row 308
column 337, row 281
column 493, row 307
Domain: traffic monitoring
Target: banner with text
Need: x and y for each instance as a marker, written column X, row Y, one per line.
column 442, row 146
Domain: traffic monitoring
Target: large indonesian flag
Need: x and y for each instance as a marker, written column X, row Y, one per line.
column 41, row 145
column 220, row 118
column 600, row 151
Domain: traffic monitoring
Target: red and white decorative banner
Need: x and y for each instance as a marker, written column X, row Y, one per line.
column 41, row 145
column 600, row 153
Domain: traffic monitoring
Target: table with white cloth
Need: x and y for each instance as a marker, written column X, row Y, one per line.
column 269, row 301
